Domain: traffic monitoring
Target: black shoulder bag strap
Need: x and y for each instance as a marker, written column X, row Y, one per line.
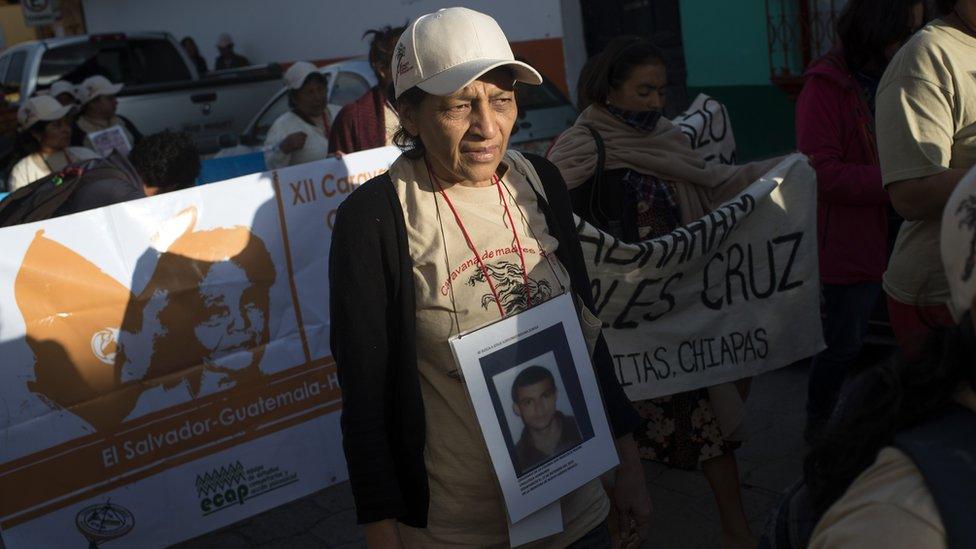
column 599, row 195
column 944, row 450
column 601, row 154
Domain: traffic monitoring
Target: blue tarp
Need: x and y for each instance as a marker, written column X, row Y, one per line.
column 219, row 169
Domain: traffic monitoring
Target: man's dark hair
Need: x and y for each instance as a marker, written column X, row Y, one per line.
column 382, row 44
column 167, row 160
column 530, row 376
column 866, row 28
column 613, row 66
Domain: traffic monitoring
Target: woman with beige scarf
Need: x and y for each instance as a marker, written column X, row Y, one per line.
column 651, row 182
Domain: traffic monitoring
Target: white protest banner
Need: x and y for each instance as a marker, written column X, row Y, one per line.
column 709, row 130
column 166, row 365
column 731, row 295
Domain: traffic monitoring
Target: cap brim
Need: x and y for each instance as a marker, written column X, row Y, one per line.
column 58, row 114
column 453, row 79
column 114, row 89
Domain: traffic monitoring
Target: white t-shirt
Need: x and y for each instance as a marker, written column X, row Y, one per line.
column 316, row 141
column 35, row 166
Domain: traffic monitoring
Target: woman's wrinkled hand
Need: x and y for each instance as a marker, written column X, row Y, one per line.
column 630, row 496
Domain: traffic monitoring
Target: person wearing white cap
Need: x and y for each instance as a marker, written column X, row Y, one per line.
column 98, row 106
column 64, row 92
column 896, row 468
column 228, row 58
column 43, row 141
column 300, row 135
column 459, row 233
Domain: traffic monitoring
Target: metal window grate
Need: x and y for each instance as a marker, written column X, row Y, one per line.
column 797, row 32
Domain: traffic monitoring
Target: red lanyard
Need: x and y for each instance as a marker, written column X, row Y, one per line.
column 477, row 257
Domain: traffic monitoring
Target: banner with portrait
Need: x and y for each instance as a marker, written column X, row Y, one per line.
column 166, row 363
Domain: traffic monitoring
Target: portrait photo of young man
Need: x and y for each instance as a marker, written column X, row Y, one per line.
column 547, row 432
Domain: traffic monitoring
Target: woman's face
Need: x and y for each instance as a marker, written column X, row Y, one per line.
column 466, row 133
column 234, row 326
column 102, row 106
column 309, row 99
column 643, row 90
column 56, row 135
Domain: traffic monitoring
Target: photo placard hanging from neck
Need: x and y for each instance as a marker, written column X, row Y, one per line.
column 531, row 381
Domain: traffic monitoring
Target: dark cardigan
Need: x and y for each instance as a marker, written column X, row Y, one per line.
column 373, row 342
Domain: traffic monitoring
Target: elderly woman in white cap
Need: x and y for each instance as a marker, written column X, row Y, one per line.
column 64, row 92
column 300, row 135
column 43, row 141
column 98, row 105
column 418, row 463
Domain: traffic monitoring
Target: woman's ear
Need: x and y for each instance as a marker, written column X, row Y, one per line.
column 408, row 119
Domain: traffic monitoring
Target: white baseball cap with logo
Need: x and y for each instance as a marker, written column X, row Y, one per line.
column 95, row 86
column 444, row 51
column 63, row 86
column 41, row 107
column 297, row 73
column 958, row 245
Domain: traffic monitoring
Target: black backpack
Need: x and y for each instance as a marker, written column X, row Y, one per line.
column 44, row 198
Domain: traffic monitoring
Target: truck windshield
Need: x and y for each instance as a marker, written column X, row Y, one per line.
column 132, row 62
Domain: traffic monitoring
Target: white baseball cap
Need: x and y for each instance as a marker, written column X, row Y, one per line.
column 958, row 245
column 95, row 86
column 63, row 86
column 224, row 40
column 444, row 51
column 297, row 73
column 41, row 107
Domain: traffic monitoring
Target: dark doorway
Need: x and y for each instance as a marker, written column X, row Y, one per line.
column 659, row 20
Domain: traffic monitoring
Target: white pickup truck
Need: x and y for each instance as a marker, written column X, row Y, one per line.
column 162, row 87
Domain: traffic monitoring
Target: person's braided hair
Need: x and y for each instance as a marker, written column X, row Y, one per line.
column 382, row 45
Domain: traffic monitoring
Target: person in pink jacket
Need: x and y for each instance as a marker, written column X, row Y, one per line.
column 835, row 128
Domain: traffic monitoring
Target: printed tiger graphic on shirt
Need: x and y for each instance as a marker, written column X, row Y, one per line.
column 509, row 280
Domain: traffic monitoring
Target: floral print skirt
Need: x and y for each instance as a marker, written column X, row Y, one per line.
column 680, row 430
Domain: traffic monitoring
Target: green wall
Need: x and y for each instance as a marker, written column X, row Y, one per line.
column 727, row 57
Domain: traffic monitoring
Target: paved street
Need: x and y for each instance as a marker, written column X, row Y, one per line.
column 685, row 515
